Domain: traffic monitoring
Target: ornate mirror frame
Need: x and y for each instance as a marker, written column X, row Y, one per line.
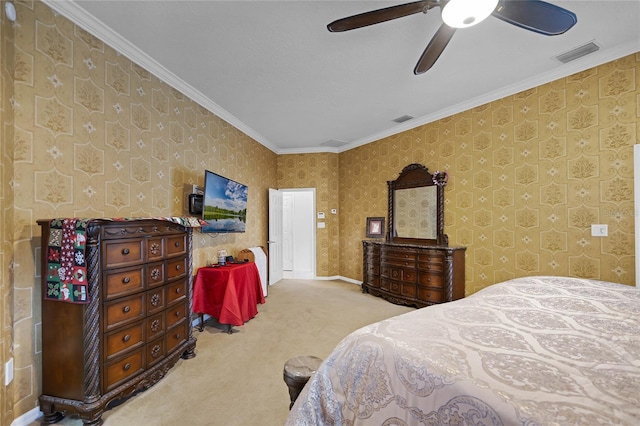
column 412, row 178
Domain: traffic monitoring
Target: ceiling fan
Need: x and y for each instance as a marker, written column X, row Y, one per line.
column 533, row 15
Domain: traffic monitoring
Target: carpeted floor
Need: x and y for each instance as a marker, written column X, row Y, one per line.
column 236, row 379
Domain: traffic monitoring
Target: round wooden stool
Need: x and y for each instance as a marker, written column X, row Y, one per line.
column 297, row 372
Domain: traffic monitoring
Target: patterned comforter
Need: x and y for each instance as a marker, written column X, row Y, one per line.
column 530, row 351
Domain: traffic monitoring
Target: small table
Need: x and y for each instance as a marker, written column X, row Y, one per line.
column 229, row 293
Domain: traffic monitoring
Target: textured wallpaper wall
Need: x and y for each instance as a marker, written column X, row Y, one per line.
column 528, row 175
column 320, row 171
column 98, row 136
column 6, row 215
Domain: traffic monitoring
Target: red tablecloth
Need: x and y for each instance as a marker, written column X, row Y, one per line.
column 229, row 293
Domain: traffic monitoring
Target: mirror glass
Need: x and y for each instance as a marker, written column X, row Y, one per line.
column 416, row 207
column 416, row 211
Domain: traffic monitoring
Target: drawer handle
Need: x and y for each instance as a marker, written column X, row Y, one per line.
column 178, row 267
column 155, row 351
column 155, row 300
column 126, row 338
column 125, row 251
column 126, row 280
column 428, row 267
column 178, row 313
column 177, row 243
column 178, row 290
column 127, row 367
column 126, row 309
column 429, row 279
column 177, row 336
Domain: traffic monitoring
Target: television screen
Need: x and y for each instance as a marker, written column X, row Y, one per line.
column 225, row 204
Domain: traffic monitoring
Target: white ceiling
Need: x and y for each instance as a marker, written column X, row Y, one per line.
column 273, row 70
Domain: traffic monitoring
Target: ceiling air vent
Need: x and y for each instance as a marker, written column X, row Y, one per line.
column 335, row 143
column 403, row 119
column 578, row 52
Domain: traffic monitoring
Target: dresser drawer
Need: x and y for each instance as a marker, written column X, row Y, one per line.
column 120, row 253
column 396, row 261
column 176, row 313
column 176, row 245
column 124, row 311
column 176, row 336
column 123, row 340
column 400, row 254
column 155, row 352
column 155, row 248
column 384, row 284
column 404, row 275
column 123, row 282
column 431, row 266
column 155, row 325
column 155, row 274
column 372, row 280
column 430, row 295
column 373, row 268
column 118, row 371
column 176, row 291
column 431, row 256
column 431, row 280
column 408, row 290
column 155, row 300
column 176, row 268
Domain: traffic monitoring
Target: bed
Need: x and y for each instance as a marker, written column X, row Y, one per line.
column 529, row 351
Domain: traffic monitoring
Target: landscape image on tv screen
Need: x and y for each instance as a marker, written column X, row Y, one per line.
column 225, row 204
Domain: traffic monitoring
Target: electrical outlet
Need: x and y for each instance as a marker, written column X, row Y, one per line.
column 8, row 372
column 599, row 230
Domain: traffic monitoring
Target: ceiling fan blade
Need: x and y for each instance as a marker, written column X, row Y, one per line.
column 536, row 15
column 380, row 15
column 434, row 49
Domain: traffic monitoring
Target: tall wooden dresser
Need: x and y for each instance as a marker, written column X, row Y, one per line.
column 411, row 274
column 135, row 326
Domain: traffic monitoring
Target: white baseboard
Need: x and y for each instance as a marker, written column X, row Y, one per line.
column 27, row 418
column 341, row 278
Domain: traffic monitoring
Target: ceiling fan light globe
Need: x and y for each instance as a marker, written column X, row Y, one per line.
column 465, row 13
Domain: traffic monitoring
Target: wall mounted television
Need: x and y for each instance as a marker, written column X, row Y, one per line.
column 225, row 204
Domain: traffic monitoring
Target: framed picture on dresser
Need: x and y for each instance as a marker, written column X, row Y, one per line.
column 375, row 227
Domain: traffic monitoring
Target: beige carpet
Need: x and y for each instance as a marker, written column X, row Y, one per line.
column 236, row 379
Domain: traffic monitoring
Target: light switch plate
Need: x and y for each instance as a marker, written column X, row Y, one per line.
column 599, row 230
column 8, row 372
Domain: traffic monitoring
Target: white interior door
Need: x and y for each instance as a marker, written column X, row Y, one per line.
column 299, row 242
column 287, row 233
column 275, row 236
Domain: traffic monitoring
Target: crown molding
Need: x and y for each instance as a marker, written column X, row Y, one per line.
column 590, row 61
column 76, row 14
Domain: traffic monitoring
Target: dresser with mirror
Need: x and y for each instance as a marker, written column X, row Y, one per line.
column 415, row 265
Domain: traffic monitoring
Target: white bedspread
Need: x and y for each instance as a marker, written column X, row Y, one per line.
column 530, row 351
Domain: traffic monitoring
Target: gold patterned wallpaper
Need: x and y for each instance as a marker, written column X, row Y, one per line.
column 98, row 136
column 88, row 133
column 528, row 175
column 6, row 216
column 320, row 171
